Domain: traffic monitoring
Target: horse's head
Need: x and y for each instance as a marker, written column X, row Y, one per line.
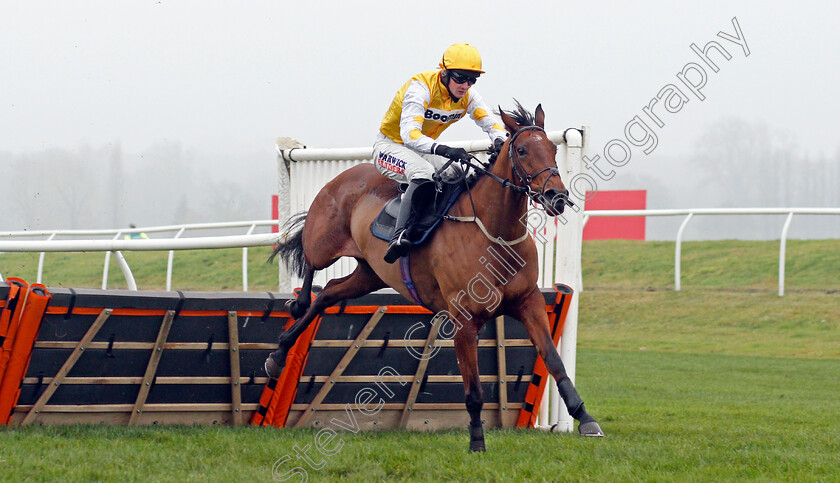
column 532, row 158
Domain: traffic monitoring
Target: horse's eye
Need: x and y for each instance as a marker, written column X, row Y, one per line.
column 521, row 151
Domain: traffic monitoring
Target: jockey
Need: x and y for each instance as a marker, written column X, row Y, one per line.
column 405, row 149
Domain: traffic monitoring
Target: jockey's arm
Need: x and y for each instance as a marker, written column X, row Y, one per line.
column 484, row 117
column 417, row 96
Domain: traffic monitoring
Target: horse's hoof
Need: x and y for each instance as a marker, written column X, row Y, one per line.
column 591, row 429
column 272, row 368
column 477, row 447
column 477, row 439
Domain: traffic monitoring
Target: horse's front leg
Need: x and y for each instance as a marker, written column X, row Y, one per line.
column 466, row 350
column 531, row 312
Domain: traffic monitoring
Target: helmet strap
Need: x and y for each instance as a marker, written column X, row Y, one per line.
column 444, row 76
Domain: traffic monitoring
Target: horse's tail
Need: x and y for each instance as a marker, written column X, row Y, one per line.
column 290, row 246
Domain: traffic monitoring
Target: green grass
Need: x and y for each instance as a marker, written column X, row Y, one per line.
column 722, row 381
column 668, row 417
column 700, row 321
column 727, row 264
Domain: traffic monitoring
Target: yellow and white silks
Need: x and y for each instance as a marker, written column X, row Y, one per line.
column 421, row 110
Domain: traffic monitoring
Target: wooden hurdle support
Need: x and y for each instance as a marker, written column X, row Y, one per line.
column 143, row 358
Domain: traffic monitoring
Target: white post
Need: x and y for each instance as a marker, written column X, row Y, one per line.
column 567, row 268
column 284, row 202
column 678, row 251
column 782, row 247
column 126, row 270
column 105, row 267
column 169, row 262
column 41, row 262
column 245, row 262
column 107, row 264
column 543, row 420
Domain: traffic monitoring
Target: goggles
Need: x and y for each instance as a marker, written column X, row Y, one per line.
column 461, row 77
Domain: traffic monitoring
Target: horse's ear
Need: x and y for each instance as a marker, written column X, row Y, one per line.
column 510, row 124
column 539, row 116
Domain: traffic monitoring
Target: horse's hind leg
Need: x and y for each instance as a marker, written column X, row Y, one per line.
column 531, row 312
column 302, row 302
column 361, row 282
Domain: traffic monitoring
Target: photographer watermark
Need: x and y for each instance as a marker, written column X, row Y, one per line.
column 502, row 263
column 640, row 132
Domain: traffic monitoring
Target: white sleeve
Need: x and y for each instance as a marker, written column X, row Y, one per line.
column 484, row 117
column 416, row 97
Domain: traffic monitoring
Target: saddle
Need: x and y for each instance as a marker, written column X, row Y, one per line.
column 422, row 224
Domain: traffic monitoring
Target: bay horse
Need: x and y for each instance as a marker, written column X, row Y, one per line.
column 338, row 224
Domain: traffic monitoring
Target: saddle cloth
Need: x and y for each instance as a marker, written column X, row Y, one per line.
column 424, row 223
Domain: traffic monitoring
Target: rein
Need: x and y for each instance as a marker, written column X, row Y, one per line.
column 524, row 177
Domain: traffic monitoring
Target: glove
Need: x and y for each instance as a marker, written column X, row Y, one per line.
column 497, row 144
column 456, row 154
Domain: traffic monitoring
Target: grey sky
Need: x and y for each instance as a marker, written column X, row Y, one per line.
column 225, row 77
column 204, row 88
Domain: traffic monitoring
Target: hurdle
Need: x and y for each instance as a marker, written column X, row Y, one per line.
column 123, row 357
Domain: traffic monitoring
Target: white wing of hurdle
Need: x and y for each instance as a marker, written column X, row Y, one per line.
column 302, row 172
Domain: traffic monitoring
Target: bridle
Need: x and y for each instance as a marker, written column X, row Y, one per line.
column 525, row 178
column 538, row 197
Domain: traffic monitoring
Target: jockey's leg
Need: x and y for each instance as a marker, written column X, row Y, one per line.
column 415, row 195
column 404, row 165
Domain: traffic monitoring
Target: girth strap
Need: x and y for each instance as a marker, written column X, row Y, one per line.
column 405, row 271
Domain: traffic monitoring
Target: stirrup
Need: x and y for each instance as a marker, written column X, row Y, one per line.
column 397, row 248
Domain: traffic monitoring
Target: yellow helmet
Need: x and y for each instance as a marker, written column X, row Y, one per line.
column 461, row 57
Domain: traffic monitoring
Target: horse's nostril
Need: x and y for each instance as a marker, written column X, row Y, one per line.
column 558, row 197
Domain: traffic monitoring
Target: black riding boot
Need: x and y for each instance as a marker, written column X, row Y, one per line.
column 399, row 243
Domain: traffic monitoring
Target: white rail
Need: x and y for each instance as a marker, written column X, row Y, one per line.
column 116, row 244
column 690, row 213
column 128, row 231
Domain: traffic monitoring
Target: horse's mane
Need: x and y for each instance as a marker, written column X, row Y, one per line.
column 520, row 115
